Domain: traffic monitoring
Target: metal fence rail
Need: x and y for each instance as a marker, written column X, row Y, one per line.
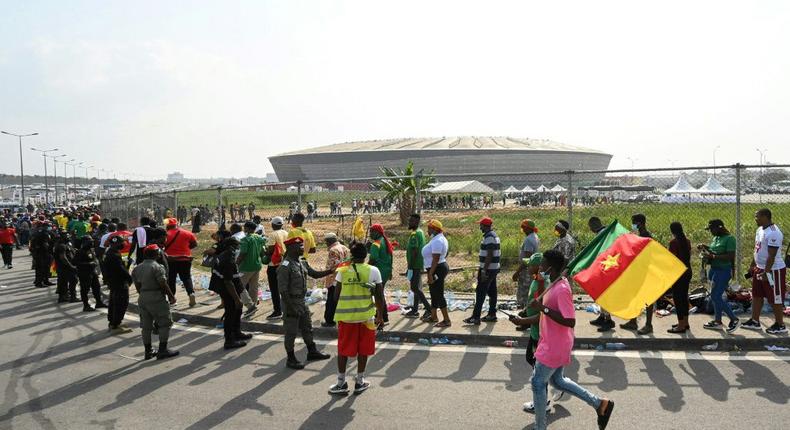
column 732, row 193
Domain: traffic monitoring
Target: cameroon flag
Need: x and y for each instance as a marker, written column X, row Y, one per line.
column 624, row 272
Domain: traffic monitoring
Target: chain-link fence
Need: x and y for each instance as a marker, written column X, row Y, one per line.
column 691, row 196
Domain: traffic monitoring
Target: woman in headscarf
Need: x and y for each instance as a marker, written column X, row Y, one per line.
column 380, row 256
column 434, row 256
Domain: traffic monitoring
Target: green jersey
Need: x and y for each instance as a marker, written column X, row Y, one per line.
column 251, row 246
column 534, row 329
column 722, row 245
column 381, row 259
column 414, row 250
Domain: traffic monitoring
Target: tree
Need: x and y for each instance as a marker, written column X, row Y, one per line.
column 402, row 185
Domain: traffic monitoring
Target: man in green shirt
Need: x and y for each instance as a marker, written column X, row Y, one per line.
column 252, row 247
column 380, row 256
column 415, row 267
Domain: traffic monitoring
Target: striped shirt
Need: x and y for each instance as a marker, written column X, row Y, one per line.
column 490, row 242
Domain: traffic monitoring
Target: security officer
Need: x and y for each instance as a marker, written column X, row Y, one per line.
column 67, row 272
column 41, row 244
column 154, row 301
column 292, row 281
column 116, row 275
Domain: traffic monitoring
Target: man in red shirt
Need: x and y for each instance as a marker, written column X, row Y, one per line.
column 178, row 249
column 126, row 234
column 7, row 241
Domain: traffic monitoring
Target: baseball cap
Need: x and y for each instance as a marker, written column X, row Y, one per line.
column 330, row 235
column 278, row 220
column 534, row 259
column 715, row 223
column 151, row 247
column 293, row 241
column 486, row 221
column 528, row 224
column 171, row 222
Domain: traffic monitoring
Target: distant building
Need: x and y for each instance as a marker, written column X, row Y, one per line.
column 175, row 177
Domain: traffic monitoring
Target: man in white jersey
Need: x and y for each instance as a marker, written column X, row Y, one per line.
column 768, row 273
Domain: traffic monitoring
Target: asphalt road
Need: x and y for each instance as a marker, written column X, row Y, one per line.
column 60, row 369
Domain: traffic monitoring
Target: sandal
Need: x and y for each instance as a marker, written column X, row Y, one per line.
column 676, row 330
column 443, row 324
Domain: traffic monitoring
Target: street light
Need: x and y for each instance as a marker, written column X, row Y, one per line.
column 73, row 178
column 44, row 153
column 21, row 164
column 55, row 173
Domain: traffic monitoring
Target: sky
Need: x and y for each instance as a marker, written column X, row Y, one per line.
column 211, row 88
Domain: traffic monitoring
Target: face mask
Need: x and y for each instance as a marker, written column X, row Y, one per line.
column 634, row 227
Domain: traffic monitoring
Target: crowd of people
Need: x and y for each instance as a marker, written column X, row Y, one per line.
column 79, row 247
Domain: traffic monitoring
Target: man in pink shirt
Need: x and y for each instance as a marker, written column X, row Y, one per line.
column 556, row 342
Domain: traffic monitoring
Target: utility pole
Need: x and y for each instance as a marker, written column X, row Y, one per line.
column 21, row 163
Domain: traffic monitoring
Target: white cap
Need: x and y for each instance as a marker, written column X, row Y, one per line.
column 278, row 220
column 330, row 236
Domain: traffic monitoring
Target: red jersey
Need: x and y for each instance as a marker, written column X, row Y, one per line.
column 179, row 243
column 127, row 246
column 7, row 236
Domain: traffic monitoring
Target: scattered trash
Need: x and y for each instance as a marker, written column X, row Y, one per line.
column 457, row 342
column 662, row 313
column 439, row 341
column 510, row 343
column 712, row 347
column 265, row 295
column 3, row 286
column 182, row 321
column 423, row 341
column 599, row 348
column 393, row 339
column 392, row 307
column 586, row 346
column 693, row 310
column 776, row 348
column 593, row 308
column 578, row 307
column 615, row 346
column 460, row 305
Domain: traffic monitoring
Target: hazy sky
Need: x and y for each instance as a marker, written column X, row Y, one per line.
column 213, row 88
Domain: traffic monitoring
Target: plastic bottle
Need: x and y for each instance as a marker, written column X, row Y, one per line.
column 510, row 343
column 423, row 341
column 394, row 339
column 616, row 346
column 398, row 295
column 410, row 298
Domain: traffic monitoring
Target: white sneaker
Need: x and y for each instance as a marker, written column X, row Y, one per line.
column 530, row 407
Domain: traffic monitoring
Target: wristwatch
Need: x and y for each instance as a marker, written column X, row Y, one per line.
column 546, row 311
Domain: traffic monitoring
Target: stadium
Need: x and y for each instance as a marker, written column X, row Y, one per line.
column 468, row 157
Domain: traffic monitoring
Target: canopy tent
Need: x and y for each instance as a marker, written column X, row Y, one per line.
column 682, row 186
column 542, row 189
column 713, row 186
column 511, row 189
column 558, row 189
column 461, row 187
column 527, row 189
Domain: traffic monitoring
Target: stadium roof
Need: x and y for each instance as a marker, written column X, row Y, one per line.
column 447, row 143
column 461, row 187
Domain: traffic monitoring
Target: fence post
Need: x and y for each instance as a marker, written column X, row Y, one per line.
column 298, row 196
column 220, row 220
column 570, row 198
column 417, row 193
column 738, row 236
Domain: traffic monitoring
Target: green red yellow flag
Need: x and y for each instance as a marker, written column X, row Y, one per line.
column 627, row 275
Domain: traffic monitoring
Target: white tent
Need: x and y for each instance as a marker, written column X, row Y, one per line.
column 511, row 189
column 542, row 189
column 527, row 189
column 713, row 186
column 682, row 186
column 558, row 189
column 461, row 187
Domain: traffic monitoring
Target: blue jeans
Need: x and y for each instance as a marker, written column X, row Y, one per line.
column 720, row 278
column 485, row 288
column 541, row 376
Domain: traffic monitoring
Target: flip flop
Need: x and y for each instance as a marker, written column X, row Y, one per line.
column 442, row 324
column 603, row 420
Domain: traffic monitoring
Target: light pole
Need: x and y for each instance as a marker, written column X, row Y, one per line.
column 87, row 185
column 73, row 179
column 44, row 153
column 714, row 159
column 21, row 164
column 55, row 173
column 762, row 158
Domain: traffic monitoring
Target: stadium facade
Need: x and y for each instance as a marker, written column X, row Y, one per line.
column 466, row 157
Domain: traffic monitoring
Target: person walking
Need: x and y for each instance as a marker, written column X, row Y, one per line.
column 488, row 260
column 87, row 272
column 359, row 293
column 292, row 281
column 768, row 273
column 251, row 249
column 414, row 267
column 154, row 300
column 118, row 280
column 275, row 250
column 227, row 271
column 41, row 248
column 67, row 272
column 380, row 256
column 720, row 256
column 553, row 353
column 434, row 257
column 529, row 246
column 7, row 240
column 178, row 251
column 604, row 320
column 639, row 226
column 680, row 247
column 565, row 243
column 337, row 254
column 197, row 220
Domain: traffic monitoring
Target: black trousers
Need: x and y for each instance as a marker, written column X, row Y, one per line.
column 271, row 275
column 8, row 252
column 182, row 269
column 119, row 302
column 67, row 284
column 331, row 305
column 90, row 282
column 680, row 294
column 436, row 289
column 232, row 323
column 42, row 262
column 416, row 288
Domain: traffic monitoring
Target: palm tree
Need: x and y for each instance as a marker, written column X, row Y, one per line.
column 402, row 185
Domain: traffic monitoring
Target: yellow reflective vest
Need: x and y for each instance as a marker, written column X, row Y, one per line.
column 356, row 299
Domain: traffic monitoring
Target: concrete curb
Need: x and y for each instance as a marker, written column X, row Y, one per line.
column 730, row 344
